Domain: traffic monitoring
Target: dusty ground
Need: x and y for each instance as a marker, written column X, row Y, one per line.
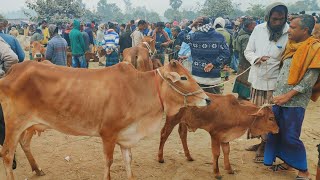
column 87, row 162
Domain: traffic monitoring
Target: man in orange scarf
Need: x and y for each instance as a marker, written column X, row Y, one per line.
column 298, row 75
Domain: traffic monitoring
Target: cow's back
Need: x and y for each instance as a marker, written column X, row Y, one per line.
column 69, row 94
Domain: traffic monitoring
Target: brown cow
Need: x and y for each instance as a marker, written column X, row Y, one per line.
column 78, row 102
column 38, row 51
column 88, row 57
column 139, row 56
column 225, row 119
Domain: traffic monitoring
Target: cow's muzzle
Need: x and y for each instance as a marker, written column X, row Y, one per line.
column 38, row 55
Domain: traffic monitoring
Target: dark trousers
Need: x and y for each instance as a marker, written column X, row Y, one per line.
column 2, row 127
column 213, row 90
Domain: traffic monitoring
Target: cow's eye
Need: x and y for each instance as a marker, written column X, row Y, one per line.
column 184, row 78
column 271, row 119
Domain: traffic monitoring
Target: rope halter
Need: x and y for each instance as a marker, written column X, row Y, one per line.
column 175, row 88
column 149, row 48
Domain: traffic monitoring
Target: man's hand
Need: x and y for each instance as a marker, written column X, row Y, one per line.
column 263, row 59
column 208, row 67
column 196, row 22
column 282, row 99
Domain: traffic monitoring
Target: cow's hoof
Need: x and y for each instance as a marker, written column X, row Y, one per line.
column 218, row 177
column 161, row 160
column 190, row 158
column 230, row 171
column 40, row 173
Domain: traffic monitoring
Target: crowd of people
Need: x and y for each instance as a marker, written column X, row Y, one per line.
column 281, row 52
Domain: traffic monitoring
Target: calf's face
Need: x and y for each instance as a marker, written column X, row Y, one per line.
column 38, row 51
column 264, row 123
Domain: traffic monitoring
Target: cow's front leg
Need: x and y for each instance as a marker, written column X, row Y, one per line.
column 171, row 122
column 127, row 157
column 183, row 133
column 108, row 149
column 215, row 147
column 226, row 152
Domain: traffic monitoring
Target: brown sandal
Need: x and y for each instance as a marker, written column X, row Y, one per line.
column 258, row 159
column 253, row 148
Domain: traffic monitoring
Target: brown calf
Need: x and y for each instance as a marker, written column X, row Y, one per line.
column 225, row 119
column 38, row 51
column 139, row 56
column 88, row 56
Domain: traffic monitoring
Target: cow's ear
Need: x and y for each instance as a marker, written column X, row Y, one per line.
column 257, row 114
column 173, row 76
column 151, row 40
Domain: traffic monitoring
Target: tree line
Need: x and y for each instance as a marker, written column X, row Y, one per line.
column 60, row 11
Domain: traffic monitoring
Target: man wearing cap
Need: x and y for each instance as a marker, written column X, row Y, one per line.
column 264, row 49
column 57, row 47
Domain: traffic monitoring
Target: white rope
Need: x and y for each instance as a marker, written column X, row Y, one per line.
column 185, row 95
column 231, row 79
column 149, row 48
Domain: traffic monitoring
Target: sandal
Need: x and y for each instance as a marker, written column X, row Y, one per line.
column 258, row 159
column 278, row 167
column 302, row 178
column 253, row 148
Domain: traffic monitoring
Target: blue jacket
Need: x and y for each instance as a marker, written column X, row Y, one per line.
column 90, row 33
column 207, row 47
column 14, row 44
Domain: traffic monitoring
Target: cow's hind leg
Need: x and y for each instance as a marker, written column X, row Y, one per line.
column 183, row 132
column 127, row 157
column 226, row 152
column 215, row 147
column 25, row 141
column 170, row 123
column 108, row 149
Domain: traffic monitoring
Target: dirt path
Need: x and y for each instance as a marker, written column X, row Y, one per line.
column 87, row 162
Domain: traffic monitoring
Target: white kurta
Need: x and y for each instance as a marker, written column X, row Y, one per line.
column 264, row 76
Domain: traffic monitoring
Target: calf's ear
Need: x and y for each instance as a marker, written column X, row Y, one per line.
column 173, row 76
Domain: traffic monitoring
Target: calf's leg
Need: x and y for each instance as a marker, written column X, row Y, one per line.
column 127, row 157
column 25, row 141
column 183, row 132
column 215, row 147
column 226, row 152
column 170, row 123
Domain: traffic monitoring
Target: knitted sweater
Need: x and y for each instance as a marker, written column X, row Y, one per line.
column 207, row 47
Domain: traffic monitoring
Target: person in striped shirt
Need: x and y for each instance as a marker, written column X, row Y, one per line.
column 110, row 44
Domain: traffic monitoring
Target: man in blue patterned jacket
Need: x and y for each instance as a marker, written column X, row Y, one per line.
column 209, row 52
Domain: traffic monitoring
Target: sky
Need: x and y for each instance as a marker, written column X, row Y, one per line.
column 157, row 5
